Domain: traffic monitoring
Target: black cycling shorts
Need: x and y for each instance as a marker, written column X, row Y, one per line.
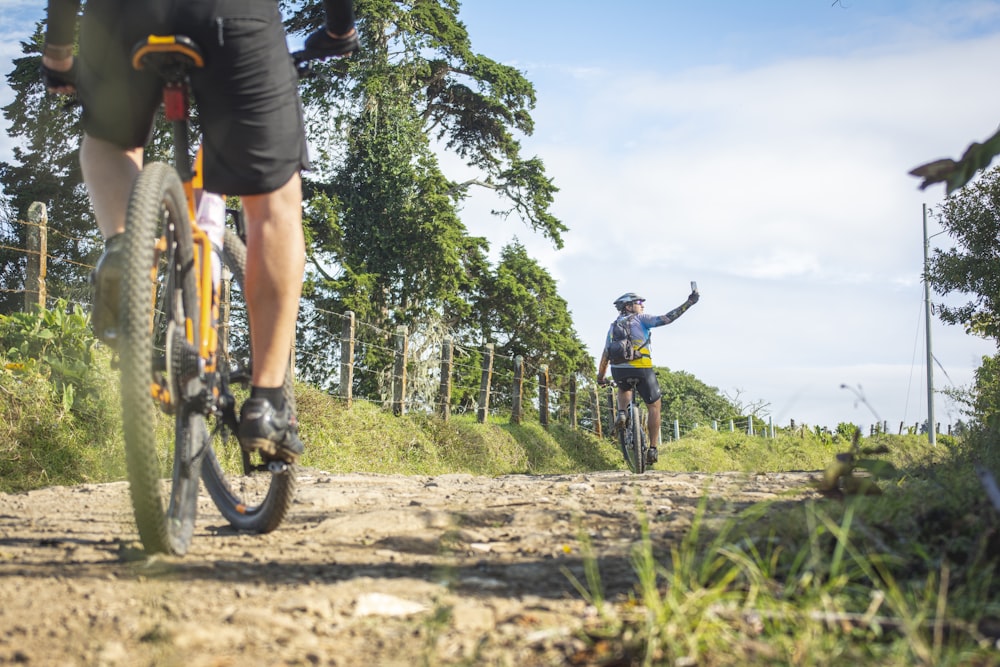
column 247, row 97
column 648, row 386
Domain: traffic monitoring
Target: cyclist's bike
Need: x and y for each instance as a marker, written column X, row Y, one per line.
column 632, row 437
column 171, row 360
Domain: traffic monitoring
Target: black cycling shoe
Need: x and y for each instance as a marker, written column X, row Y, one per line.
column 275, row 433
column 106, row 282
column 321, row 45
column 652, row 456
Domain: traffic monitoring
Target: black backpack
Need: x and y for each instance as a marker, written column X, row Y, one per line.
column 621, row 347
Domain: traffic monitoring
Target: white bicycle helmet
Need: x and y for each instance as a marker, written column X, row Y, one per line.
column 625, row 299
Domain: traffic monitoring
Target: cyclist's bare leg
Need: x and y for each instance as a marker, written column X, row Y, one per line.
column 275, row 265
column 109, row 173
column 653, row 423
column 624, row 398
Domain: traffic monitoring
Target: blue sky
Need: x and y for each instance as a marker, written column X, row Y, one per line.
column 761, row 149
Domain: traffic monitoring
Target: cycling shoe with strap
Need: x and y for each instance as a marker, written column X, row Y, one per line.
column 106, row 281
column 274, row 432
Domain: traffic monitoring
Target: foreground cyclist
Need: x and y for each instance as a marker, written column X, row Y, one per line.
column 254, row 146
column 632, row 316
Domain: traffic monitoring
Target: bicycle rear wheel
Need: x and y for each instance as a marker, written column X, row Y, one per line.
column 256, row 494
column 159, row 300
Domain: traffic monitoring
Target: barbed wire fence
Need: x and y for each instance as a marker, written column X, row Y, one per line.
column 426, row 371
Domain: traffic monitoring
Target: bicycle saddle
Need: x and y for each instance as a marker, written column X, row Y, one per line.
column 169, row 56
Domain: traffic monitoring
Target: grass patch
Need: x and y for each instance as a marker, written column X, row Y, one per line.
column 907, row 577
column 46, row 440
column 365, row 438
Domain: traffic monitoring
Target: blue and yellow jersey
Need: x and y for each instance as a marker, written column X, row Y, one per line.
column 641, row 328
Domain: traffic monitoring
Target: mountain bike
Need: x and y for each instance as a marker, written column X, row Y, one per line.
column 632, row 437
column 171, row 361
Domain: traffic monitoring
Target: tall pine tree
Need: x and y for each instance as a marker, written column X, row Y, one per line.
column 47, row 170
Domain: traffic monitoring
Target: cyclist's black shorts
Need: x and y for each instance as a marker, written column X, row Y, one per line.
column 247, row 98
column 648, row 387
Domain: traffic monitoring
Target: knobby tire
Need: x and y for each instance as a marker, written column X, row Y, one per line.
column 626, row 438
column 252, row 499
column 158, row 294
column 638, row 456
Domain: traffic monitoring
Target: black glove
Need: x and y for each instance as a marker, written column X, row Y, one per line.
column 693, row 299
column 603, row 382
column 56, row 79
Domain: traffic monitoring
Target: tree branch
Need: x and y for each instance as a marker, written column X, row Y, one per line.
column 472, row 181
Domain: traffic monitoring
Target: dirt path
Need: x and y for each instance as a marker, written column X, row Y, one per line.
column 367, row 570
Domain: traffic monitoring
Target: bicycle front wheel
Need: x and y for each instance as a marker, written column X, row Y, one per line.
column 253, row 495
column 637, row 457
column 158, row 301
column 626, row 437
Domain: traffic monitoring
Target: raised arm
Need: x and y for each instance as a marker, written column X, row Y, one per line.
column 678, row 311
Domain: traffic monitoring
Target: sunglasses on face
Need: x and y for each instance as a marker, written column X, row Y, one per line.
column 639, row 302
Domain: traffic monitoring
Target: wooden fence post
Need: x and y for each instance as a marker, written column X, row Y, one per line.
column 347, row 358
column 399, row 372
column 517, row 391
column 444, row 392
column 543, row 394
column 612, row 408
column 37, row 249
column 572, row 401
column 484, row 385
column 597, row 412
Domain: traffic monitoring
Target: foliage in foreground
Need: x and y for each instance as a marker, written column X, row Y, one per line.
column 901, row 578
column 58, row 422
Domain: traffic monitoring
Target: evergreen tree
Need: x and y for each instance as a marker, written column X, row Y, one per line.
column 382, row 214
column 971, row 217
column 385, row 237
column 522, row 313
column 47, row 170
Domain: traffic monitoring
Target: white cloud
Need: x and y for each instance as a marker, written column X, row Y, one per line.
column 783, row 189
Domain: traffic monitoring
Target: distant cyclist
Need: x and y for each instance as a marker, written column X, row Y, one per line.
column 254, row 146
column 636, row 326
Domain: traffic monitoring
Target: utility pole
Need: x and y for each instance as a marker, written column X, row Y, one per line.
column 931, row 437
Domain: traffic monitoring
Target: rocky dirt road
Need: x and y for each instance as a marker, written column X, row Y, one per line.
column 366, row 570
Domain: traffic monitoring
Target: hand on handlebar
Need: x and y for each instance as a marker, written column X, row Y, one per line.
column 604, row 381
column 59, row 81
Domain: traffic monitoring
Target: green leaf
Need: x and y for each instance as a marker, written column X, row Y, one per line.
column 879, row 469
